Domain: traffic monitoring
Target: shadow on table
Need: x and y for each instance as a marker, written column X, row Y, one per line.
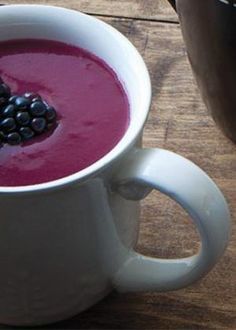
column 147, row 311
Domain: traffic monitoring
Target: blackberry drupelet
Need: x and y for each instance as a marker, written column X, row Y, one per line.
column 5, row 90
column 8, row 124
column 12, row 99
column 23, row 116
column 38, row 124
column 13, row 138
column 33, row 96
column 22, row 103
column 26, row 133
column 8, row 111
column 2, row 137
column 38, row 109
column 51, row 114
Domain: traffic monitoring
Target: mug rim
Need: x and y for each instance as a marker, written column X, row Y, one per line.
column 128, row 138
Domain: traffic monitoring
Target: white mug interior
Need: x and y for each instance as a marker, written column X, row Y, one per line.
column 75, row 28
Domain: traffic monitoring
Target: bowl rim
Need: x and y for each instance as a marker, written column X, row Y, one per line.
column 132, row 133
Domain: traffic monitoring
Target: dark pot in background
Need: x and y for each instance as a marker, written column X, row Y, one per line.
column 209, row 31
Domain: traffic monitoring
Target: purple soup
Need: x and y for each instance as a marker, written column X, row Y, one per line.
column 92, row 109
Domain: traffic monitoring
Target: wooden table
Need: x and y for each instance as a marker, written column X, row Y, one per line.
column 179, row 122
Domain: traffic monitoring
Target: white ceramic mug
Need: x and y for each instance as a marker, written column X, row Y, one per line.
column 65, row 244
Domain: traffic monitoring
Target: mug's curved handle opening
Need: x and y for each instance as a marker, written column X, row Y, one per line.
column 173, row 4
column 188, row 185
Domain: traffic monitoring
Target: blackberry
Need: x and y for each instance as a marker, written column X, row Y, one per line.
column 12, row 99
column 13, row 138
column 2, row 137
column 38, row 109
column 23, row 116
column 22, row 103
column 5, row 90
column 26, row 133
column 3, row 101
column 38, row 124
column 8, row 124
column 8, row 111
column 50, row 114
column 33, row 97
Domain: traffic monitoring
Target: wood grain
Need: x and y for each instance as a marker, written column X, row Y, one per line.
column 179, row 122
column 144, row 9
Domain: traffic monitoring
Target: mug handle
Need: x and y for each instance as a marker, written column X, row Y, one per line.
column 189, row 186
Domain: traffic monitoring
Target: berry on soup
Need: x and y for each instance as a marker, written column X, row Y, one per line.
column 3, row 101
column 13, row 138
column 23, row 116
column 22, row 103
column 12, row 99
column 8, row 124
column 2, row 137
column 51, row 114
column 32, row 96
column 26, row 133
column 38, row 109
column 8, row 111
column 5, row 90
column 38, row 125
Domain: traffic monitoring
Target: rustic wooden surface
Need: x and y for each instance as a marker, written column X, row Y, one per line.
column 178, row 121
